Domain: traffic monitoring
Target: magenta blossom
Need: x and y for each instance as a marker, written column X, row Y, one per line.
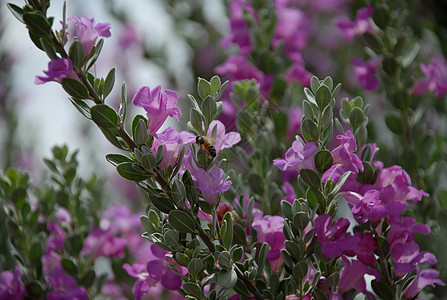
column 58, row 69
column 210, row 183
column 395, row 183
column 352, row 275
column 298, row 157
column 366, row 72
column 87, row 32
column 435, row 78
column 270, row 229
column 11, row 287
column 298, row 72
column 239, row 68
column 65, row 287
column 365, row 249
column 294, row 117
column 158, row 106
column 223, row 140
column 361, row 24
column 422, row 279
column 155, row 271
column 173, row 143
column 289, row 192
column 333, row 238
column 240, row 31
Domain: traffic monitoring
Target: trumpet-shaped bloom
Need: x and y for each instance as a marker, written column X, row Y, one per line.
column 333, row 238
column 365, row 249
column 366, row 73
column 298, row 157
column 173, row 143
column 86, row 31
column 158, row 106
column 423, row 278
column 270, row 229
column 65, row 287
column 10, row 285
column 435, row 78
column 223, row 140
column 360, row 25
column 58, row 69
column 210, row 183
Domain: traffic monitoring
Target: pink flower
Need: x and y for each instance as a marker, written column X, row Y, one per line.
column 129, row 37
column 435, row 78
column 365, row 249
column 65, row 287
column 270, row 229
column 210, row 183
column 289, row 192
column 298, row 72
column 223, row 140
column 87, row 32
column 333, row 238
column 422, row 279
column 173, row 143
column 352, row 275
column 360, row 25
column 294, row 127
column 366, row 73
column 58, row 69
column 239, row 68
column 11, row 287
column 158, row 105
column 298, row 157
column 239, row 29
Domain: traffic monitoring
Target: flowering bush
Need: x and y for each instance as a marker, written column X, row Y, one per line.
column 274, row 189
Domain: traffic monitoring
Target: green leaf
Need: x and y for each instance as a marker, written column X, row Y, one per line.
column 16, row 11
column 209, row 109
column 300, row 271
column 75, row 88
column 171, row 238
column 227, row 279
column 195, row 267
column 76, row 54
column 115, row 159
column 36, row 23
column 127, row 171
column 328, row 82
column 191, row 190
column 382, row 289
column 215, row 84
column 203, row 88
column 372, row 41
column 178, row 192
column 265, row 248
column 314, row 196
column 147, row 225
column 394, row 123
column 323, row 160
column 111, row 136
column 109, row 83
column 48, row 48
column 307, row 110
column 104, row 116
column 74, row 244
column 314, row 83
column 256, row 183
column 148, row 161
column 181, row 221
column 228, row 234
column 286, row 209
column 123, row 99
column 356, row 117
column 193, row 289
column 36, row 251
column 309, row 130
column 300, row 220
column 237, row 253
column 88, row 279
column 197, row 119
column 82, row 107
column 294, row 250
column 323, row 96
column 340, row 182
column 163, row 203
column 69, row 266
column 310, row 178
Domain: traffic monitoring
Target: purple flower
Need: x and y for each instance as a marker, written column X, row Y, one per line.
column 422, row 279
column 223, row 140
column 10, row 285
column 352, row 275
column 365, row 249
column 153, row 272
column 333, row 238
column 291, row 29
column 158, row 105
column 289, row 192
column 58, row 69
column 103, row 243
column 298, row 157
column 366, row 73
column 239, row 68
column 270, row 229
column 56, row 240
column 129, row 37
column 435, row 78
column 65, row 287
column 294, row 117
column 211, row 183
column 240, row 31
column 87, row 32
column 173, row 143
column 360, row 25
column 298, row 72
column 396, row 184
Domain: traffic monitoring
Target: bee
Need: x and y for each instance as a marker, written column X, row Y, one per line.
column 206, row 145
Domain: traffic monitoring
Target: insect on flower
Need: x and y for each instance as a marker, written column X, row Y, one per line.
column 206, row 145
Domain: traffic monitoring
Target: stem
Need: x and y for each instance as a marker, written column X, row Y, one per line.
column 249, row 285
